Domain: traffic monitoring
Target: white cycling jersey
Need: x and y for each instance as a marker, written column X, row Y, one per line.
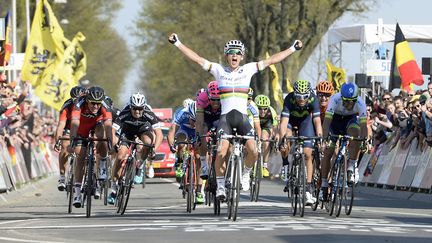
column 336, row 107
column 233, row 85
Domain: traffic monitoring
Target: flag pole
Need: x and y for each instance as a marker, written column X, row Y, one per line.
column 14, row 37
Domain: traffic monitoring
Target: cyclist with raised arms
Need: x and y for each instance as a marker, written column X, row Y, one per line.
column 301, row 110
column 324, row 91
column 90, row 113
column 345, row 115
column 63, row 129
column 135, row 122
column 234, row 81
column 268, row 123
column 208, row 111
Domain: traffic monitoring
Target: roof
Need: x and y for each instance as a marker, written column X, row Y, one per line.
column 367, row 33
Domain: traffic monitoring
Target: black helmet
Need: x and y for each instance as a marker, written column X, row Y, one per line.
column 95, row 93
column 77, row 91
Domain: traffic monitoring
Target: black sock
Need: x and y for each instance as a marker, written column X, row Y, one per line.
column 285, row 161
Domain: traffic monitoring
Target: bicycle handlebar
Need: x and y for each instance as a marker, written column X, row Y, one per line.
column 137, row 143
column 224, row 136
column 85, row 139
column 347, row 137
column 294, row 138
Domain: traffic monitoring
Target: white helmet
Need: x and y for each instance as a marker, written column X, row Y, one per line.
column 234, row 44
column 187, row 102
column 138, row 100
column 192, row 110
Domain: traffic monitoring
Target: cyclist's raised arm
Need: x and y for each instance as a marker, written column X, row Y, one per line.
column 173, row 39
column 280, row 56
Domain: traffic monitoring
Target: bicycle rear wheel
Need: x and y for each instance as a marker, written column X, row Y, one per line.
column 144, row 171
column 258, row 177
column 341, row 185
column 189, row 185
column 69, row 185
column 106, row 184
column 128, row 183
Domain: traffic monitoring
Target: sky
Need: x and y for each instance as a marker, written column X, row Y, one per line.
column 405, row 12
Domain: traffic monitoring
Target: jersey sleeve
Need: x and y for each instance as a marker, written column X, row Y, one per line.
column 153, row 119
column 63, row 114
column 106, row 113
column 361, row 104
column 286, row 108
column 316, row 112
column 331, row 107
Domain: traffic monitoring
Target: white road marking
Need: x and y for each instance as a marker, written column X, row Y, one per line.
column 3, row 198
column 9, row 239
column 16, row 221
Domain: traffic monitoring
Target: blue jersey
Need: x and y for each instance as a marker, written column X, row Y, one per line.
column 181, row 119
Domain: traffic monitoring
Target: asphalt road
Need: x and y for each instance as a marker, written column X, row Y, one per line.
column 157, row 213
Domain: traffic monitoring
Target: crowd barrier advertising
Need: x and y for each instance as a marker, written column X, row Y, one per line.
column 396, row 166
column 13, row 168
column 424, row 161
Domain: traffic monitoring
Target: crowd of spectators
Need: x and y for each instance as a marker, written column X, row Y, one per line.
column 22, row 124
column 402, row 118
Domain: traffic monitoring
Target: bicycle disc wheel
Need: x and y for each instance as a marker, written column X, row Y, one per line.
column 130, row 174
column 301, row 183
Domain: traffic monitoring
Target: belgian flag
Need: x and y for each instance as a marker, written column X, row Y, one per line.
column 404, row 69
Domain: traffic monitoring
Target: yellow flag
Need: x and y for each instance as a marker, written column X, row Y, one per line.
column 289, row 85
column 56, row 82
column 277, row 90
column 335, row 75
column 46, row 44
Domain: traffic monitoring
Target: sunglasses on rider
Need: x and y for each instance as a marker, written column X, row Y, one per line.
column 322, row 95
column 93, row 103
column 137, row 108
column 214, row 99
column 234, row 52
column 301, row 96
column 349, row 99
column 262, row 108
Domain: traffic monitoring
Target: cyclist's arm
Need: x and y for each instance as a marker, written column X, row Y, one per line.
column 189, row 53
column 108, row 130
column 280, row 56
column 283, row 126
column 316, row 114
column 363, row 118
column 60, row 128
column 159, row 138
column 171, row 134
column 258, row 130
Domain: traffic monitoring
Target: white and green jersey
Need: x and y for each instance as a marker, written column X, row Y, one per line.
column 233, row 85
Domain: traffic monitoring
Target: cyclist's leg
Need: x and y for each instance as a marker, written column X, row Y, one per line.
column 102, row 150
column 63, row 157
column 203, row 153
column 223, row 145
column 306, row 129
column 353, row 129
column 80, row 151
column 116, row 170
column 265, row 134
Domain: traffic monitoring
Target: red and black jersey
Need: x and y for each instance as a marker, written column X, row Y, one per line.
column 88, row 120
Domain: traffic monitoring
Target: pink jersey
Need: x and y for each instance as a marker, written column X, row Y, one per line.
column 202, row 100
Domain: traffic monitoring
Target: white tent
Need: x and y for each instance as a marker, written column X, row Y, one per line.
column 368, row 33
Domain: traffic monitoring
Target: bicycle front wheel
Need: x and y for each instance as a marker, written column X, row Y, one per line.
column 189, row 186
column 89, row 186
column 301, row 182
column 128, row 183
column 258, row 177
column 348, row 198
column 292, row 188
column 316, row 180
column 236, row 188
